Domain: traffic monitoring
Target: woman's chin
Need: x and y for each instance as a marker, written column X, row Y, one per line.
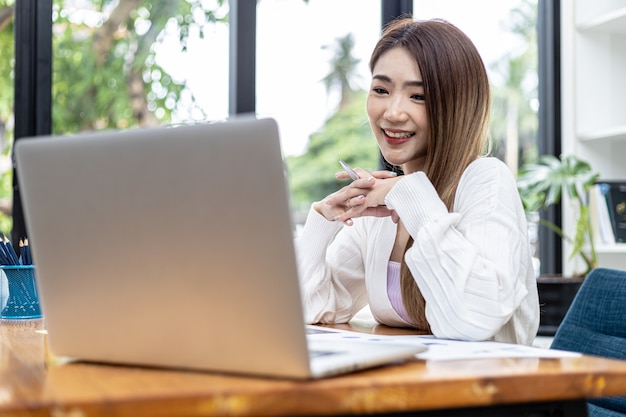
column 393, row 160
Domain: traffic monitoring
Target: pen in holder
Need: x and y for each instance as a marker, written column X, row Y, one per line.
column 18, row 289
column 23, row 300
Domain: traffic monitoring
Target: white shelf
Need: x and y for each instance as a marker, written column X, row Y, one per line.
column 615, row 133
column 593, row 64
column 613, row 22
column 607, row 249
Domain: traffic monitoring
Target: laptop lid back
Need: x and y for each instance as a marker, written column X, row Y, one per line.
column 166, row 246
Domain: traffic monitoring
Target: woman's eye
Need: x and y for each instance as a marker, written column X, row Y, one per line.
column 418, row 97
column 379, row 90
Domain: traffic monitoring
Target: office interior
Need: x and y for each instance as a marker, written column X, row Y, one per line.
column 557, row 119
column 561, row 24
column 34, row 107
column 33, row 84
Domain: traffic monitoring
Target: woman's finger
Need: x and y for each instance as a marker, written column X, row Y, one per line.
column 383, row 174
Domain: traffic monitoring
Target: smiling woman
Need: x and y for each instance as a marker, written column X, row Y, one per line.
column 293, row 67
column 442, row 248
column 288, row 54
column 140, row 81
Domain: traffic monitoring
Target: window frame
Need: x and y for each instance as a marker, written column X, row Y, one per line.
column 33, row 86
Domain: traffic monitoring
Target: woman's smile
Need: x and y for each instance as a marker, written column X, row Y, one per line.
column 396, row 109
column 397, row 137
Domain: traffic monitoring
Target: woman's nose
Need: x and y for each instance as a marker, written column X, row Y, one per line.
column 396, row 110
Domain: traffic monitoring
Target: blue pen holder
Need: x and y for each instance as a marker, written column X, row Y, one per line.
column 19, row 298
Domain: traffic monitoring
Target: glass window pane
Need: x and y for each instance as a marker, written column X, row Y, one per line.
column 504, row 31
column 7, row 77
column 312, row 77
column 119, row 65
column 296, row 41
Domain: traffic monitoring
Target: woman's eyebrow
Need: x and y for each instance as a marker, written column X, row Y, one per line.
column 383, row 78
column 386, row 79
column 414, row 84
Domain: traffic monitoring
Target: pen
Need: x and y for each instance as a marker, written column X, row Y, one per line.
column 349, row 170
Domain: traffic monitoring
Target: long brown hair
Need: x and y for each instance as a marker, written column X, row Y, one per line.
column 458, row 101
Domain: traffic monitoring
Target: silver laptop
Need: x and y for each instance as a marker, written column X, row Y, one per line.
column 173, row 247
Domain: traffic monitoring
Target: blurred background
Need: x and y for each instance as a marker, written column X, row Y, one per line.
column 132, row 63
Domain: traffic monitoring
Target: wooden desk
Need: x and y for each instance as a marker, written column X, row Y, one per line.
column 32, row 386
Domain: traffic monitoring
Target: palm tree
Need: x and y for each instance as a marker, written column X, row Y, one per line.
column 343, row 69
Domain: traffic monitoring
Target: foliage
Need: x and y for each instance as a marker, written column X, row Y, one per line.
column 104, row 72
column 541, row 185
column 7, row 47
column 6, row 193
column 106, row 75
column 346, row 135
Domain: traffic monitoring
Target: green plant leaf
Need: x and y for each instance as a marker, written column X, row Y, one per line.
column 542, row 185
column 582, row 225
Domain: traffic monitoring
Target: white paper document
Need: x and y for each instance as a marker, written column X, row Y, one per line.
column 445, row 349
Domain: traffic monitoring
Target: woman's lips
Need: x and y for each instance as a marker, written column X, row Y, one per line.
column 397, row 138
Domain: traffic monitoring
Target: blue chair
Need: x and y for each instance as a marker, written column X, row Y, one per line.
column 595, row 324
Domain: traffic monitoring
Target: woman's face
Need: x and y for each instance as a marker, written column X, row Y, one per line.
column 397, row 111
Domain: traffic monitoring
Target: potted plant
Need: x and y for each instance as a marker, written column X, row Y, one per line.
column 541, row 185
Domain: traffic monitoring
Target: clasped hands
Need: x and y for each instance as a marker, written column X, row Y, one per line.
column 362, row 197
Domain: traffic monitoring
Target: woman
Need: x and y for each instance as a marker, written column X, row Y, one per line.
column 442, row 248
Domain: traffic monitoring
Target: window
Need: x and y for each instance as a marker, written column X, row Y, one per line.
column 7, row 63
column 506, row 37
column 312, row 77
column 117, row 67
column 182, row 76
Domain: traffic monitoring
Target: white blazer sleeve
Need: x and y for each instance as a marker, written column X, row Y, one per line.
column 470, row 264
column 331, row 270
